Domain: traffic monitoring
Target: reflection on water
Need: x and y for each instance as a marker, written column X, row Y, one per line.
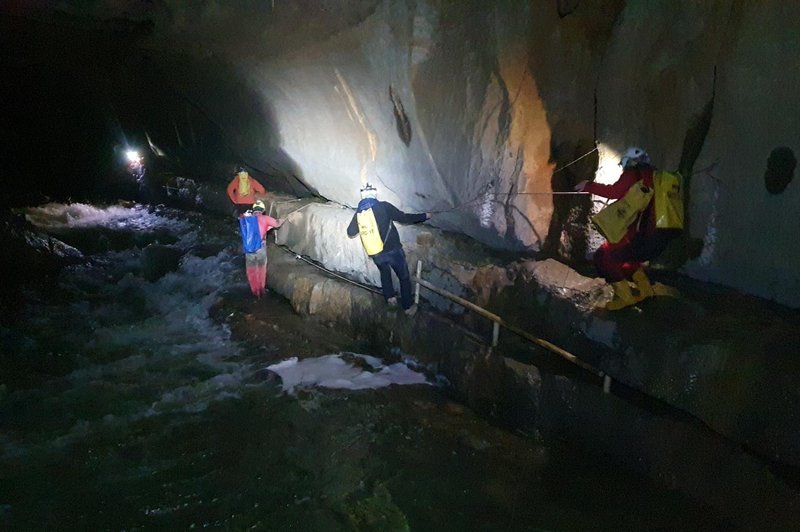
column 132, row 408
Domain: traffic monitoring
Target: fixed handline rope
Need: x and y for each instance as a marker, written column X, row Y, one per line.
column 290, row 251
column 371, row 289
column 286, row 217
column 297, row 209
column 483, row 195
column 578, row 159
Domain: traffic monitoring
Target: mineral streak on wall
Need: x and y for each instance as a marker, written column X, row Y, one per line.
column 527, row 154
column 457, row 106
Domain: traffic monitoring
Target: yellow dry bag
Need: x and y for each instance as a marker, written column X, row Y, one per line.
column 669, row 199
column 244, row 184
column 613, row 221
column 369, row 232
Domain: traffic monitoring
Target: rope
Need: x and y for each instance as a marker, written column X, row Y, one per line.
column 489, row 196
column 543, row 343
column 546, row 193
column 297, row 209
column 578, row 159
column 484, row 195
column 307, row 260
column 286, row 217
column 481, row 196
column 516, row 330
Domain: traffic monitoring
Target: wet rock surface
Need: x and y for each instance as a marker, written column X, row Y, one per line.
column 727, row 358
column 410, row 457
column 158, row 260
column 717, row 354
column 653, row 422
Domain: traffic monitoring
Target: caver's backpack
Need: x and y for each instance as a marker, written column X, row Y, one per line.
column 251, row 237
column 369, row 232
column 669, row 199
column 667, row 192
column 613, row 221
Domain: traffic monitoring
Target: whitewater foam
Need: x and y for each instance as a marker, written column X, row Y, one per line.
column 333, row 371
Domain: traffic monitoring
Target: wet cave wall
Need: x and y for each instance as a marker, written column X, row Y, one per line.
column 434, row 104
column 478, row 111
column 746, row 208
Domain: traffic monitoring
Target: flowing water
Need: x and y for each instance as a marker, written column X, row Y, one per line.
column 134, row 399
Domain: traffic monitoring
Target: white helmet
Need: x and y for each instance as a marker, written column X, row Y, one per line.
column 634, row 156
column 369, row 191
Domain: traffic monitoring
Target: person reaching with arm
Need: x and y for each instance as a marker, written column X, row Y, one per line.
column 374, row 222
column 621, row 261
column 255, row 224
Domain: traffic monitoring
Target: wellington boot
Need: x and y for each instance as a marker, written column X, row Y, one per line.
column 643, row 284
column 623, row 297
column 254, row 280
column 664, row 290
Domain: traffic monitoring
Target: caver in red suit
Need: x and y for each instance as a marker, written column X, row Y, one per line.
column 244, row 190
column 256, row 263
column 622, row 261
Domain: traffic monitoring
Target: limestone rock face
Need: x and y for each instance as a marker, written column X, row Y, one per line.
column 474, row 110
column 435, row 107
column 750, row 231
column 480, row 110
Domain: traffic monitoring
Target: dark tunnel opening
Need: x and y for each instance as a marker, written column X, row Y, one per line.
column 76, row 100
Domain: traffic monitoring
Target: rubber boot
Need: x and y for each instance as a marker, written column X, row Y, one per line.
column 623, row 297
column 262, row 279
column 253, row 279
column 664, row 290
column 643, row 284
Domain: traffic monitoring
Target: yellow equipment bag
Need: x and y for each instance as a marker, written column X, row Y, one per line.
column 669, row 199
column 244, row 184
column 613, row 221
column 368, row 230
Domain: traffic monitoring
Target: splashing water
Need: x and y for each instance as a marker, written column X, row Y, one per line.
column 59, row 216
